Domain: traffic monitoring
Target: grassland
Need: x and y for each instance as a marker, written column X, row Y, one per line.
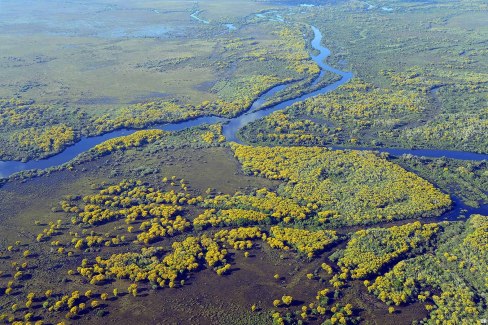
column 185, row 227
column 191, row 197
column 419, row 79
column 163, row 67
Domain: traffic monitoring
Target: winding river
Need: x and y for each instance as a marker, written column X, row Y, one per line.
column 230, row 129
column 233, row 125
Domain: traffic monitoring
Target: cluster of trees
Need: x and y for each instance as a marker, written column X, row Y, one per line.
column 158, row 228
column 289, row 49
column 370, row 250
column 130, row 200
column 286, row 300
column 425, row 79
column 301, row 87
column 20, row 113
column 399, row 285
column 73, row 304
column 298, row 56
column 450, row 281
column 368, row 254
column 239, row 238
column 214, row 135
column 212, row 217
column 458, row 131
column 415, row 77
column 263, row 200
column 303, row 240
column 136, row 139
column 46, row 139
column 261, row 207
column 94, row 241
column 283, row 128
column 357, row 111
column 477, row 238
column 32, row 130
column 435, row 59
column 362, row 187
column 39, row 303
column 187, row 255
column 143, row 114
column 365, row 115
column 53, row 230
column 457, row 305
column 361, row 103
column 286, row 60
column 329, row 315
column 137, row 266
column 237, row 94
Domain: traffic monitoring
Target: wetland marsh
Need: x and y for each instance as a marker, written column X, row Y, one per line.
column 214, row 162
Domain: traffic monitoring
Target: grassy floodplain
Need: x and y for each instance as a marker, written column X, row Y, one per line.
column 68, row 79
column 420, row 79
column 235, row 229
column 188, row 228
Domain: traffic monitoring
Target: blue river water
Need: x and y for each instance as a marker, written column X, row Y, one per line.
column 230, row 128
column 233, row 125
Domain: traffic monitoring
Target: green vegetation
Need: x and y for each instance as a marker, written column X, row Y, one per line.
column 215, row 232
column 135, row 140
column 370, row 250
column 451, row 280
column 357, row 106
column 158, row 214
column 346, row 188
column 467, row 180
column 305, row 241
column 223, row 77
column 277, row 207
column 134, row 236
column 416, row 84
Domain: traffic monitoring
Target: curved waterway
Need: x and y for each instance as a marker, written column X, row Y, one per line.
column 233, row 125
column 230, row 128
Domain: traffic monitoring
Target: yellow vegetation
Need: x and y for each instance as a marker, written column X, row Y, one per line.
column 361, row 186
column 130, row 141
column 370, row 249
column 305, row 241
column 49, row 139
